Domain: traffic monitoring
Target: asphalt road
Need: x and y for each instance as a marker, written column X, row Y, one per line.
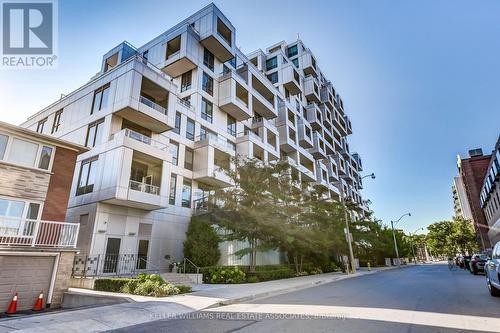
column 426, row 298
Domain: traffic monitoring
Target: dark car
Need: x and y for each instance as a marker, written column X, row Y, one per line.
column 465, row 262
column 477, row 263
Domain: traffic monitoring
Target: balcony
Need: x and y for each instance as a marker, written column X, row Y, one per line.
column 209, row 167
column 252, row 145
column 311, row 89
column 331, row 167
column 348, row 125
column 321, row 175
column 180, row 53
column 214, row 141
column 142, row 143
column 327, row 97
column 318, row 149
column 263, row 97
column 288, row 139
column 217, row 35
column 16, row 231
column 308, row 64
column 307, row 167
column 260, row 122
column 234, row 96
column 305, row 134
column 314, row 116
column 291, row 79
column 148, row 106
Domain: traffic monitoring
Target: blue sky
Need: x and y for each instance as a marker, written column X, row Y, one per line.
column 420, row 79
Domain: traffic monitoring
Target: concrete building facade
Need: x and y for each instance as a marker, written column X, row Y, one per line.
column 460, row 202
column 490, row 195
column 161, row 120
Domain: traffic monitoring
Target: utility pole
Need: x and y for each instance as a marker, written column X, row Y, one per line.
column 394, row 236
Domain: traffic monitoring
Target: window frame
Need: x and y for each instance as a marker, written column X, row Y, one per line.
column 89, row 126
column 204, row 107
column 184, row 86
column 172, row 194
column 57, row 121
column 207, row 83
column 187, row 203
column 191, row 163
column 208, row 59
column 40, row 125
column 91, row 161
column 100, row 91
column 190, row 136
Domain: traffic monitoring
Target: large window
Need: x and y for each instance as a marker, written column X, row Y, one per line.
column 190, row 129
column 186, row 81
column 41, row 125
column 296, row 62
column 3, row 145
column 45, row 156
column 174, row 151
column 23, row 152
column 86, row 178
column 271, row 63
column 178, row 119
column 208, row 84
column 173, row 186
column 292, row 51
column 188, row 159
column 94, row 133
column 57, row 121
column 231, row 125
column 208, row 59
column 206, row 110
column 186, row 193
column 273, row 77
column 100, row 98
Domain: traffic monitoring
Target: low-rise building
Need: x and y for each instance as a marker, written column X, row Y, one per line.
column 36, row 246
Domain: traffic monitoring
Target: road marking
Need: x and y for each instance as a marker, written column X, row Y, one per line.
column 446, row 320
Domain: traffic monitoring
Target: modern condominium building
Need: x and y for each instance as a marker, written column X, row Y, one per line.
column 162, row 119
column 490, row 195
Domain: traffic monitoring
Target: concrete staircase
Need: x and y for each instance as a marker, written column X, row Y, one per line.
column 185, row 279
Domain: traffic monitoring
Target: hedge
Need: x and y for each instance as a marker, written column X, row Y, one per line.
column 114, row 285
column 259, row 276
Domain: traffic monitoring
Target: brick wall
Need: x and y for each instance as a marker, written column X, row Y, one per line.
column 19, row 182
column 63, row 277
column 59, row 187
column 473, row 171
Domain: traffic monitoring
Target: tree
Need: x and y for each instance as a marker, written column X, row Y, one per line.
column 202, row 243
column 451, row 237
column 463, row 235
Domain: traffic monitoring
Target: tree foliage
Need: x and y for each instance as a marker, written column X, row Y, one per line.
column 202, row 243
column 451, row 237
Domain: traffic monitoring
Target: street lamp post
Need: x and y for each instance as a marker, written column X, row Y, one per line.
column 394, row 236
column 412, row 244
column 348, row 233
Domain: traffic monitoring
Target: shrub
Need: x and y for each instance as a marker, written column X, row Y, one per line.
column 283, row 273
column 223, row 274
column 184, row 289
column 202, row 244
column 114, row 285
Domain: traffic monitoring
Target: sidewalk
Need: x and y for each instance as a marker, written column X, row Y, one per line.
column 140, row 309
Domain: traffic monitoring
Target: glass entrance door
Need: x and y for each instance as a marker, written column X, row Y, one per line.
column 142, row 254
column 112, row 255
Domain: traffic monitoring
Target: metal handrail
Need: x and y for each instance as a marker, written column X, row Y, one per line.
column 144, row 139
column 29, row 232
column 186, row 260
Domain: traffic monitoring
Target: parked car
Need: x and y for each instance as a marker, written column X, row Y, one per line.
column 492, row 271
column 466, row 260
column 477, row 263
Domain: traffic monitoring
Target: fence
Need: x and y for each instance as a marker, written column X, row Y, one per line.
column 26, row 232
column 93, row 265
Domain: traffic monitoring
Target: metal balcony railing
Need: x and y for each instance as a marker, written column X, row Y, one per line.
column 153, row 105
column 141, row 138
column 143, row 187
column 26, row 232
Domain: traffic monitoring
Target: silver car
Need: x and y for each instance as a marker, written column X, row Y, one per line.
column 492, row 270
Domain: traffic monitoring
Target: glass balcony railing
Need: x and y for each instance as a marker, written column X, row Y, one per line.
column 153, row 105
column 143, row 187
